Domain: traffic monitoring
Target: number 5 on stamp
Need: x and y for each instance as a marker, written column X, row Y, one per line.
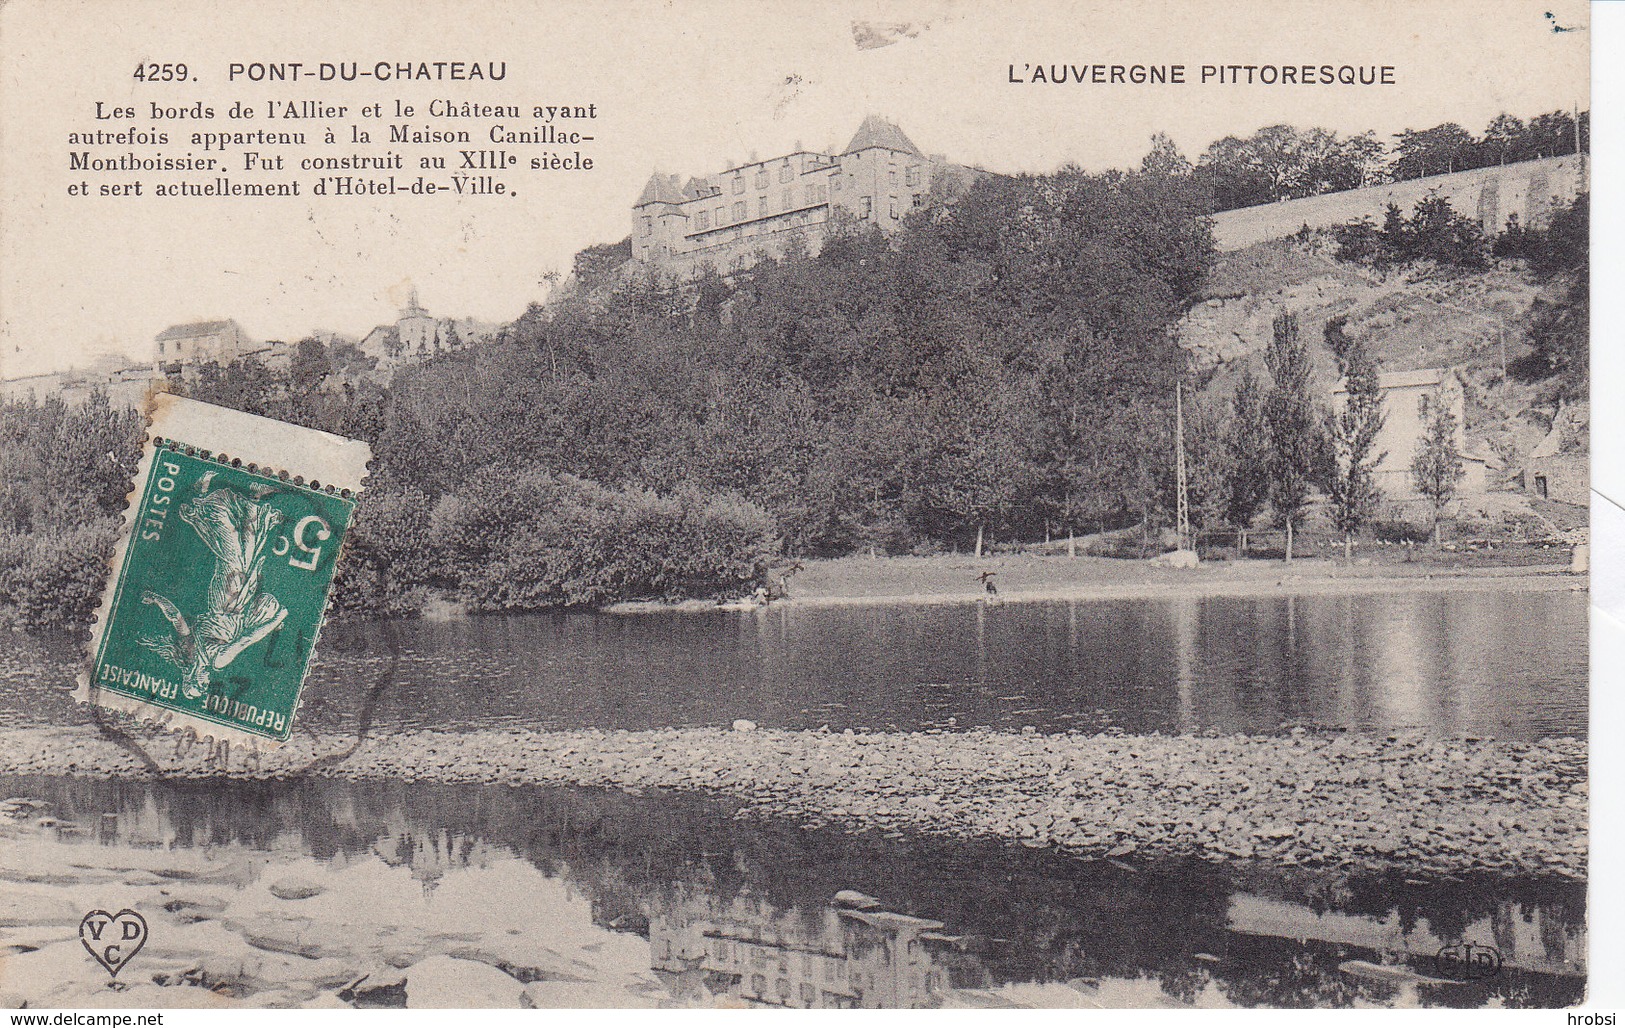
column 221, row 579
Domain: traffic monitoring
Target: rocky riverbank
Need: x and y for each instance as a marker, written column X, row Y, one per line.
column 1408, row 801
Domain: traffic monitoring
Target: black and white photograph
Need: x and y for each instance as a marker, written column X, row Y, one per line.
column 920, row 505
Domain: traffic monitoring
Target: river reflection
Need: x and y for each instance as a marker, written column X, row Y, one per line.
column 1501, row 664
column 768, row 913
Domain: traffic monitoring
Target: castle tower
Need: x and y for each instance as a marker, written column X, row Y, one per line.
column 882, row 174
column 659, row 224
column 416, row 327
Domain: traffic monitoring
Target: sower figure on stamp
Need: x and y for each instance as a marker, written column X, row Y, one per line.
column 236, row 530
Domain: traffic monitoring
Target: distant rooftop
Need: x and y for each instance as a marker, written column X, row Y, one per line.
column 877, row 131
column 661, row 189
column 196, row 328
column 1403, row 379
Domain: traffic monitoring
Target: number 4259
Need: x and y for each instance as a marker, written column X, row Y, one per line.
column 160, row 72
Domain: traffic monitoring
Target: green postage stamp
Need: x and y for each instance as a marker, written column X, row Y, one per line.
column 232, row 536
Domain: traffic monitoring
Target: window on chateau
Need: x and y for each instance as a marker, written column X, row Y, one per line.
column 761, row 179
column 893, row 205
column 739, row 211
column 702, row 221
column 866, row 206
column 761, row 207
column 789, row 199
column 739, row 184
column 648, row 224
column 722, row 215
column 786, row 173
column 919, row 199
column 891, row 176
column 160, row 347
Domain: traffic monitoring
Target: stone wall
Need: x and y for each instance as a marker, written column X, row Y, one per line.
column 1488, row 195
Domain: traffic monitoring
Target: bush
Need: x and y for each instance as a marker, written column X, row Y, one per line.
column 388, row 555
column 529, row 541
column 56, row 580
column 1359, row 242
column 1433, row 232
column 1401, row 531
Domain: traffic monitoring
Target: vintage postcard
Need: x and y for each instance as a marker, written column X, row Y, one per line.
column 721, row 504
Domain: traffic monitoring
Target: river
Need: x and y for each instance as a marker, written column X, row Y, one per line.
column 704, row 907
column 1502, row 664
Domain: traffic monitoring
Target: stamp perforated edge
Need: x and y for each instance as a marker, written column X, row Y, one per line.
column 306, row 455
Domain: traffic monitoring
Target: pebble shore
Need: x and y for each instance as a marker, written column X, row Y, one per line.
column 1406, row 801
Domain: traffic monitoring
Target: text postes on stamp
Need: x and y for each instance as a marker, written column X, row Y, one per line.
column 220, row 581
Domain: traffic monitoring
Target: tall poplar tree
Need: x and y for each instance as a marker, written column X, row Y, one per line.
column 1295, row 441
column 1351, row 433
column 1248, row 443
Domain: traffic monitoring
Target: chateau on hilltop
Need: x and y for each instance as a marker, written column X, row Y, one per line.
column 726, row 220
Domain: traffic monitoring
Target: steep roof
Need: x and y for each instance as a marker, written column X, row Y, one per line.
column 196, row 328
column 878, row 132
column 661, row 189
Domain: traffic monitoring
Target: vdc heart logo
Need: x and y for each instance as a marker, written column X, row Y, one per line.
column 113, row 939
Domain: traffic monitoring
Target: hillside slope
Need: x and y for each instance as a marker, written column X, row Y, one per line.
column 1413, row 318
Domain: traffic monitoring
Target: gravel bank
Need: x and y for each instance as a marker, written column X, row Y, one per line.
column 1404, row 801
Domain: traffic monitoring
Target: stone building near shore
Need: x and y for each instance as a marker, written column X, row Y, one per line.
column 1559, row 467
column 1409, row 399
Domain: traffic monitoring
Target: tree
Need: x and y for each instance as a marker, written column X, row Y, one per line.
column 1438, row 467
column 1552, row 135
column 1164, row 158
column 1435, row 151
column 1560, row 326
column 1339, row 341
column 595, row 265
column 1248, row 443
column 1352, row 434
column 308, row 365
column 1437, row 233
column 1506, row 139
column 1295, row 443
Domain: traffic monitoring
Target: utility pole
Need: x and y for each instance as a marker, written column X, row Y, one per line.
column 1184, row 526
